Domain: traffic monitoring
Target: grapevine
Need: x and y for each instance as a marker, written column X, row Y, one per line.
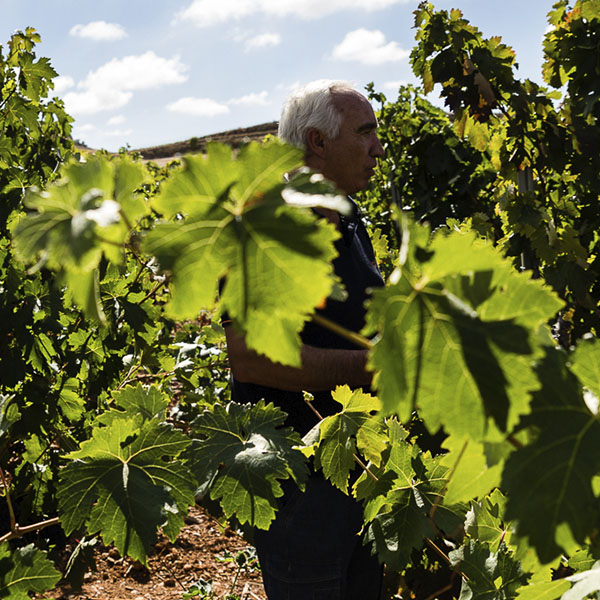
column 480, row 441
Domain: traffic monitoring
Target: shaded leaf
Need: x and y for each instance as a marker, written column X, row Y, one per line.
column 70, row 403
column 242, row 455
column 9, row 414
column 491, row 575
column 398, row 505
column 558, row 510
column 585, row 363
column 125, row 483
column 25, row 571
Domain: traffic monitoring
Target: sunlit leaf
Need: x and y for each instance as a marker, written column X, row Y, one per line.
column 276, row 260
column 458, row 337
column 338, row 434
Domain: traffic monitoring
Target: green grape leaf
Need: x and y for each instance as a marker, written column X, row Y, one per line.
column 241, row 457
column 471, row 475
column 491, row 575
column 34, row 74
column 544, row 590
column 78, row 217
column 370, row 440
column 555, row 512
column 83, row 287
column 24, row 571
column 367, row 486
column 148, row 402
column 399, row 505
column 337, row 445
column 585, row 363
column 9, row 414
column 458, row 337
column 276, row 259
column 582, row 560
column 397, row 530
column 70, row 402
column 485, row 521
column 124, row 482
column 87, row 214
column 478, row 134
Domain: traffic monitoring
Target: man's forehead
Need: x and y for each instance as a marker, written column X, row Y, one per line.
column 355, row 107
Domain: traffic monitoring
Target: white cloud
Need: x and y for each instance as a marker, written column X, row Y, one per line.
column 141, row 72
column 369, row 48
column 99, row 31
column 111, row 86
column 205, row 13
column 85, row 127
column 198, row 107
column 256, row 99
column 118, row 132
column 262, row 41
column 393, row 85
column 92, row 101
column 207, row 107
column 116, row 120
column 62, row 83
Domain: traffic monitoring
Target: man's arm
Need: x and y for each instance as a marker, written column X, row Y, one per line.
column 322, row 368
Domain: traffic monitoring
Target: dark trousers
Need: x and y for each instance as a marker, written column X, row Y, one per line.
column 312, row 550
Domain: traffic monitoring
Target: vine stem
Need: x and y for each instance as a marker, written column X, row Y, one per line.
column 437, row 549
column 446, row 588
column 145, row 376
column 514, row 441
column 18, row 531
column 15, row 529
column 356, row 338
column 133, row 369
column 152, row 292
column 11, row 512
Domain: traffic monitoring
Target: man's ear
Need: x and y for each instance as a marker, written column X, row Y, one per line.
column 315, row 143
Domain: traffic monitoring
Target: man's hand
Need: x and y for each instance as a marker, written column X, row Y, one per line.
column 322, row 368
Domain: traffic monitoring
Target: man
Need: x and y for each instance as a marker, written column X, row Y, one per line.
column 312, row 549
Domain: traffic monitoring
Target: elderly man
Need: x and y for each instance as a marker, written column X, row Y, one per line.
column 312, row 550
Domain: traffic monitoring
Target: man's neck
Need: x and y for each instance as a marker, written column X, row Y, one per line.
column 331, row 215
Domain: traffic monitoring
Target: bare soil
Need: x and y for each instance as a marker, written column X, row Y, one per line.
column 203, row 550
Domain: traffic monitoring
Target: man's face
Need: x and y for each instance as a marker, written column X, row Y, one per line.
column 349, row 159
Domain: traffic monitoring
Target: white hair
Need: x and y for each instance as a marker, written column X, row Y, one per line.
column 312, row 106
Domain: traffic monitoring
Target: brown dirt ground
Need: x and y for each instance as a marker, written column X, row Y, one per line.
column 172, row 568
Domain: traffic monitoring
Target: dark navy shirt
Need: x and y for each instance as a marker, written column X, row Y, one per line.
column 355, row 265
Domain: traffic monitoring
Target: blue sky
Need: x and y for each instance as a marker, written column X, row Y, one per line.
column 143, row 73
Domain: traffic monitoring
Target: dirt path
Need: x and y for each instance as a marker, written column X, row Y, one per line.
column 203, row 551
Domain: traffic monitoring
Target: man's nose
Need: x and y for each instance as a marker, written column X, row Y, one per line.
column 377, row 149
